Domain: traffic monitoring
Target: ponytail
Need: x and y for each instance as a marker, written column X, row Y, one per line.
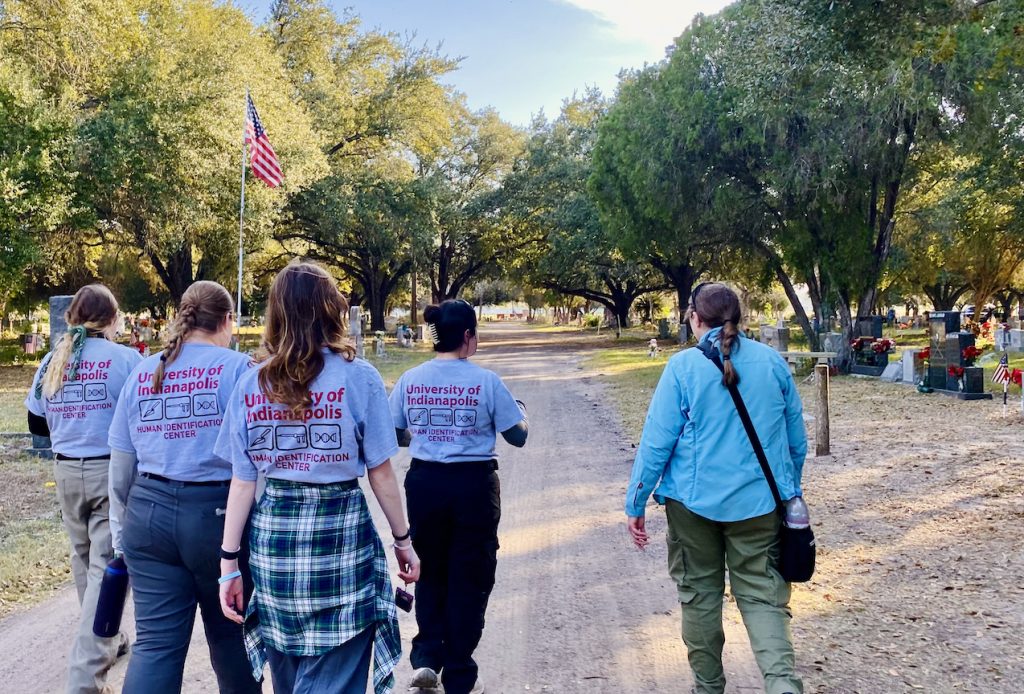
column 718, row 306
column 204, row 306
column 730, row 334
column 92, row 310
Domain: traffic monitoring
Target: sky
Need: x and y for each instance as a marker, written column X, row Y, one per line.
column 524, row 56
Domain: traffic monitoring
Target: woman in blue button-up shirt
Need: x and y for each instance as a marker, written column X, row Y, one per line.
column 696, row 458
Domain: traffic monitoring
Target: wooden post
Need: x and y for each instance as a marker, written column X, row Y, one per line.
column 821, row 435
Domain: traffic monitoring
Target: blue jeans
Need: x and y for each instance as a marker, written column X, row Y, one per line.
column 171, row 535
column 341, row 670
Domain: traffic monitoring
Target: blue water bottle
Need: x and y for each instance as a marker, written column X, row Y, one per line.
column 113, row 592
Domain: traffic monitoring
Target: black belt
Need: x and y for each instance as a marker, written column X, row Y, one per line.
column 61, row 456
column 186, row 483
column 460, row 465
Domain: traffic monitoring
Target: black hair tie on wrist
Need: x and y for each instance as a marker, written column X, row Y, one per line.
column 726, row 357
column 408, row 533
column 163, row 357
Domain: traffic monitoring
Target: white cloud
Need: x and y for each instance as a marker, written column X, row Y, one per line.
column 654, row 23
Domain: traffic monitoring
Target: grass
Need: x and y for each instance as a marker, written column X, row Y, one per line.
column 14, row 384
column 33, row 546
column 632, row 376
column 398, row 360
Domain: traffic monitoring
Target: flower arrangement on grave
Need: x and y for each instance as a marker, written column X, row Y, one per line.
column 921, row 361
column 861, row 343
column 957, row 372
column 986, row 329
column 144, row 322
column 1017, row 377
column 970, row 354
column 883, row 346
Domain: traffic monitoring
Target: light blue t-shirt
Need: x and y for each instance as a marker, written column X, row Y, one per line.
column 347, row 430
column 79, row 414
column 453, row 409
column 172, row 432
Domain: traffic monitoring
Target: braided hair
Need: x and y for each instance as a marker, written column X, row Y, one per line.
column 204, row 306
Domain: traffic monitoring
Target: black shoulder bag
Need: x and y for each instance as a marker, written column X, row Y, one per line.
column 796, row 545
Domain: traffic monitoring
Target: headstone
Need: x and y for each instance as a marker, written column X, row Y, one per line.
column 421, row 332
column 775, row 337
column 1002, row 338
column 870, row 327
column 378, row 344
column 831, row 342
column 1016, row 341
column 355, row 330
column 782, row 339
column 684, row 332
column 893, row 373
column 58, row 325
column 663, row 329
column 909, row 365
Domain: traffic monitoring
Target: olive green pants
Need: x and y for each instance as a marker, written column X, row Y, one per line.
column 699, row 550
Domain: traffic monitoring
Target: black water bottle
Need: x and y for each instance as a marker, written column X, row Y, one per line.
column 110, row 606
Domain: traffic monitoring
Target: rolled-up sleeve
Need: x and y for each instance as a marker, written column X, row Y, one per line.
column 664, row 423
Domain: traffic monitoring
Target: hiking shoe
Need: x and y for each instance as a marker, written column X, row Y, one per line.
column 424, row 678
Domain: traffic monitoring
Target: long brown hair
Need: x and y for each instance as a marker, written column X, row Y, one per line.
column 92, row 309
column 717, row 305
column 204, row 306
column 305, row 313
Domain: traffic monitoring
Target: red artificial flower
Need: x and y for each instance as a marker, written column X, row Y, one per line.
column 1016, row 376
column 925, row 353
column 955, row 371
column 971, row 352
column 882, row 346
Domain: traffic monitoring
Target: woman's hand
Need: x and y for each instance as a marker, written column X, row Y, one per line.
column 408, row 563
column 232, row 597
column 637, row 530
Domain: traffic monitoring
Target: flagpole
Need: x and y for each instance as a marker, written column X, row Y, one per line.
column 241, row 224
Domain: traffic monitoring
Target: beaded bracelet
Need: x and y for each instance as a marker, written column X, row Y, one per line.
column 228, row 577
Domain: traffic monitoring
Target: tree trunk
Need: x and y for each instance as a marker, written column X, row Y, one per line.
column 845, row 358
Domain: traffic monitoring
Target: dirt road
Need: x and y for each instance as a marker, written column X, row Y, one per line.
column 575, row 608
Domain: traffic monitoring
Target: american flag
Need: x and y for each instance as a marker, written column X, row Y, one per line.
column 265, row 165
column 1002, row 372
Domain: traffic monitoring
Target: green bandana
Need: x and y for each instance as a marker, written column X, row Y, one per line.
column 78, row 333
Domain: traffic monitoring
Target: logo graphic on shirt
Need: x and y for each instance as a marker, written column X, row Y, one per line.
column 418, row 416
column 261, row 438
column 290, row 437
column 74, row 392
column 178, row 408
column 325, row 436
column 441, row 417
column 96, row 391
column 205, row 404
column 57, row 396
column 150, row 410
column 465, row 418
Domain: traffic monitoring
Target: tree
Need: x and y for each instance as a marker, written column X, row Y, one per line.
column 369, row 227
column 548, row 195
column 469, row 238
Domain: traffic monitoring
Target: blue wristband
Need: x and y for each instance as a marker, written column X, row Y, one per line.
column 229, row 577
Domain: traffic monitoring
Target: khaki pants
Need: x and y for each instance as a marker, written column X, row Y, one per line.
column 699, row 549
column 82, row 493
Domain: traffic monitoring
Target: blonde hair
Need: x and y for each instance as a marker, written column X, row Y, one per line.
column 204, row 306
column 305, row 313
column 92, row 310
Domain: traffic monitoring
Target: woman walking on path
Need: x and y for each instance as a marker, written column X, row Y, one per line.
column 72, row 401
column 696, row 457
column 452, row 408
column 169, row 519
column 313, row 418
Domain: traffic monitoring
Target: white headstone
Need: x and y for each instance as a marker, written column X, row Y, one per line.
column 355, row 330
column 892, row 373
column 909, row 365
